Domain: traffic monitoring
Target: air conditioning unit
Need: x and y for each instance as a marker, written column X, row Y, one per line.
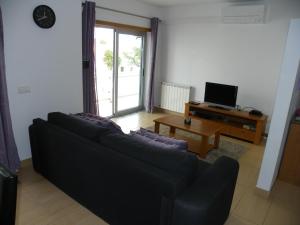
column 244, row 14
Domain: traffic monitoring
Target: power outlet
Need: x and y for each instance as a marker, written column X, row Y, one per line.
column 24, row 89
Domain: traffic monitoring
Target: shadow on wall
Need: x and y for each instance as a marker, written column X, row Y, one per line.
column 193, row 93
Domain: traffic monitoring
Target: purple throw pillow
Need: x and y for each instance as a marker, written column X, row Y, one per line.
column 163, row 139
column 153, row 143
column 104, row 122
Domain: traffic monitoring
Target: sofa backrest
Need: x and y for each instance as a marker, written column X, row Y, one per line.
column 183, row 165
column 76, row 125
column 180, row 164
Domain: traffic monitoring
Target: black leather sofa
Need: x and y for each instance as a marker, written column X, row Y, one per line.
column 8, row 196
column 126, row 182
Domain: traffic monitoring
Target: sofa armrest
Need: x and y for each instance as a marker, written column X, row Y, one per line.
column 208, row 199
column 8, row 196
column 34, row 132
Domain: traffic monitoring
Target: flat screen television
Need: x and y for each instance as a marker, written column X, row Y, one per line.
column 220, row 94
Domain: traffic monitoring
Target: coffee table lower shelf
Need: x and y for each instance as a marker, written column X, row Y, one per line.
column 205, row 129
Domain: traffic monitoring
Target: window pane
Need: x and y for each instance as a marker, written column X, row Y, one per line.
column 129, row 71
column 104, row 48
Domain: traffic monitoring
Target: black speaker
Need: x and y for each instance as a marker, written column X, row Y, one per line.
column 255, row 112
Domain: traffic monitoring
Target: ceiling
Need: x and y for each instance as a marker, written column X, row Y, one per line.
column 181, row 2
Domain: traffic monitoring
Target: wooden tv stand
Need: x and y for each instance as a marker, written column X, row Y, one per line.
column 238, row 124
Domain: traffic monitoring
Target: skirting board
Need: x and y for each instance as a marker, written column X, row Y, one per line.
column 160, row 110
column 26, row 162
column 263, row 193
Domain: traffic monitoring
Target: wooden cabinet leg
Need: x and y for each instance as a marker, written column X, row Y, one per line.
column 156, row 127
column 217, row 140
column 204, row 147
column 258, row 133
column 172, row 132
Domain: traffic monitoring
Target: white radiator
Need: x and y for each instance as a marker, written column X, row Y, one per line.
column 174, row 96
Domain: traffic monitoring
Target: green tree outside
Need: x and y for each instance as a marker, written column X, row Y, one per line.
column 108, row 59
column 134, row 58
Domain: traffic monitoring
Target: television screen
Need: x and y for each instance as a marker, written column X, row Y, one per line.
column 220, row 94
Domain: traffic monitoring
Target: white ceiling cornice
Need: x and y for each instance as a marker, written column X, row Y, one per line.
column 167, row 3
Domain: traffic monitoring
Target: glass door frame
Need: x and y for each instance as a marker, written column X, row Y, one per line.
column 143, row 35
column 130, row 30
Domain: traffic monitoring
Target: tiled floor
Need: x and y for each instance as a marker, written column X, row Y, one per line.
column 41, row 203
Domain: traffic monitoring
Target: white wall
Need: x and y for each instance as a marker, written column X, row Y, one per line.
column 197, row 48
column 46, row 60
column 285, row 106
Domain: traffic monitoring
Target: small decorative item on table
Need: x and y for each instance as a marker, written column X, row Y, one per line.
column 187, row 121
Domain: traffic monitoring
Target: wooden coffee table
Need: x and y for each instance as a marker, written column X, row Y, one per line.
column 202, row 127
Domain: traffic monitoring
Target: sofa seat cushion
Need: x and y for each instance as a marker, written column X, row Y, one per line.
column 180, row 164
column 182, row 144
column 101, row 121
column 78, row 126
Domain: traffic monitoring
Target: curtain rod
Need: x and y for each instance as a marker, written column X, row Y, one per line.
column 123, row 12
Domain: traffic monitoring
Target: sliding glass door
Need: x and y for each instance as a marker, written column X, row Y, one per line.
column 129, row 71
column 104, row 51
column 119, row 70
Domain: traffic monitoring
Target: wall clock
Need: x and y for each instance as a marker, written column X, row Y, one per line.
column 44, row 16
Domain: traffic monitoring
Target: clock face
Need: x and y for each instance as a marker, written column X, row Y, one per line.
column 44, row 16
